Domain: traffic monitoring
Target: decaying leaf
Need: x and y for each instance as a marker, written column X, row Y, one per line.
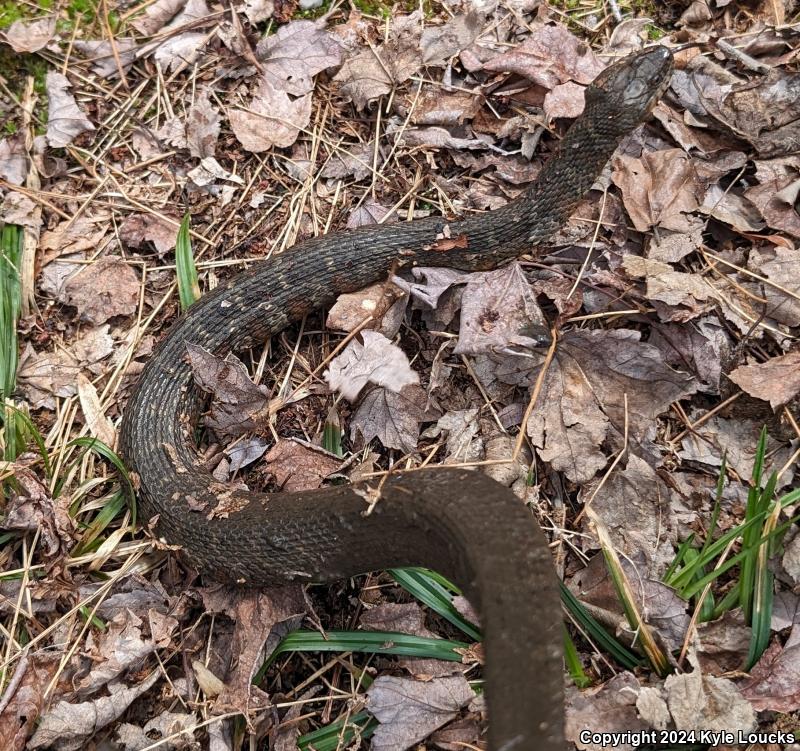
column 384, row 303
column 300, row 466
column 137, row 229
column 607, row 708
column 392, row 417
column 65, row 119
column 19, row 716
column 102, row 290
column 30, row 37
column 33, row 509
column 703, row 701
column 440, row 43
column 102, row 54
column 239, row 406
column 774, row 682
column 174, row 725
column 581, row 405
column 271, row 119
column 549, row 56
column 497, row 307
column 777, row 380
column 295, row 54
column 376, row 361
column 67, row 726
column 372, row 72
column 202, row 126
column 637, row 507
column 410, row 710
column 13, row 159
column 660, row 188
column 262, row 618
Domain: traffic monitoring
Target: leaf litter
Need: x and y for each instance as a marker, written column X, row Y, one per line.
column 268, row 128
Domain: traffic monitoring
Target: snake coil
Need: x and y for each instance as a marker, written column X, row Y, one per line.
column 458, row 522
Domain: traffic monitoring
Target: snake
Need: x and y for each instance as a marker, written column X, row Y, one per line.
column 456, row 521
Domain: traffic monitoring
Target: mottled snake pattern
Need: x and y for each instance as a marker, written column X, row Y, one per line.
column 456, row 521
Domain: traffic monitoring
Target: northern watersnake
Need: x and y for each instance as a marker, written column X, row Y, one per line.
column 458, row 522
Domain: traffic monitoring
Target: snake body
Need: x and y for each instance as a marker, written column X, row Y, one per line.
column 458, row 522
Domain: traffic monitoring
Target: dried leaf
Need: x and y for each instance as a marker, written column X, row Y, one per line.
column 99, row 425
column 43, row 376
column 496, row 308
column 101, row 53
column 699, row 701
column 608, row 708
column 30, row 36
column 372, row 72
column 299, row 465
column 722, row 644
column 405, row 618
column 409, row 710
column 565, row 100
column 65, row 120
column 32, row 508
column 439, row 43
column 137, row 229
column 377, row 361
column 737, row 439
column 19, row 716
column 13, row 159
column 165, row 725
column 581, row 405
column 351, row 161
column 68, row 727
column 699, row 348
column 102, row 290
column 782, row 267
column 684, row 295
column 74, row 235
column 636, row 506
column 549, row 56
column 660, row 188
column 370, row 212
column 157, row 15
column 180, row 51
column 777, row 380
column 271, row 119
column 261, row 618
column 113, row 652
column 384, row 302
column 391, row 417
column 295, row 54
column 238, row 405
column 202, row 126
column 259, row 10
column 462, row 430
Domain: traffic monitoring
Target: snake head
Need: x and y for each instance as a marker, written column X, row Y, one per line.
column 629, row 89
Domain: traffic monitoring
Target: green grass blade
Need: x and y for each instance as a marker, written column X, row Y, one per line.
column 188, row 284
column 105, row 452
column 430, row 592
column 693, row 589
column 332, row 433
column 573, row 663
column 679, row 559
column 10, row 305
column 101, row 521
column 339, row 734
column 27, row 430
column 596, row 632
column 717, row 503
column 372, row 642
